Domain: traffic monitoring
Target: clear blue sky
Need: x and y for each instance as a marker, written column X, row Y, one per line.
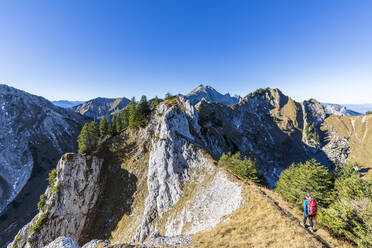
column 79, row 50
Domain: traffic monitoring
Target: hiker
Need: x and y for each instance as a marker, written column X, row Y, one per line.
column 309, row 211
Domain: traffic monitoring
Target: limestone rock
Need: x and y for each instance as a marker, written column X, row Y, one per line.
column 63, row 242
column 69, row 201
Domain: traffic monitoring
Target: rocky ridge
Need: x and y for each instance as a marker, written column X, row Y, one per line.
column 210, row 94
column 336, row 109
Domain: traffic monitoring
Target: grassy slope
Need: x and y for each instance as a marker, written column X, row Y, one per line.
column 259, row 223
column 359, row 130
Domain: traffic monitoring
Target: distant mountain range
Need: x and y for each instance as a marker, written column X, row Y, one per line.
column 66, row 103
column 100, row 106
column 361, row 108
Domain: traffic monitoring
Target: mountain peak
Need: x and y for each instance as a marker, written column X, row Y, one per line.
column 208, row 93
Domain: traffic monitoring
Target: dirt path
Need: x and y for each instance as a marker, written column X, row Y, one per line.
column 293, row 218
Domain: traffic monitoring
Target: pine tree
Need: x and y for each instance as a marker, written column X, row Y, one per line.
column 119, row 125
column 125, row 118
column 132, row 113
column 167, row 96
column 143, row 106
column 88, row 137
column 113, row 125
column 154, row 103
column 83, row 139
column 93, row 134
column 104, row 128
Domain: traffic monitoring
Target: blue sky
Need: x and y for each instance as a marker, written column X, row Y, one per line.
column 79, row 50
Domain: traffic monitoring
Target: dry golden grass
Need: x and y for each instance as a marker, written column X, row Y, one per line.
column 258, row 223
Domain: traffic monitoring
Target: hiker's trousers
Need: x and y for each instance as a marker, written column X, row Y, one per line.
column 310, row 219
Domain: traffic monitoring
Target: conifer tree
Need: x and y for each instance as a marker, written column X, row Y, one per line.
column 119, row 125
column 125, row 118
column 132, row 113
column 143, row 106
column 113, row 125
column 104, row 127
column 83, row 139
column 93, row 134
column 88, row 137
column 154, row 103
column 167, row 96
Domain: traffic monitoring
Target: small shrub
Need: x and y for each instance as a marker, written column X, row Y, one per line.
column 368, row 112
column 57, row 188
column 41, row 203
column 243, row 168
column 17, row 240
column 52, row 177
column 36, row 227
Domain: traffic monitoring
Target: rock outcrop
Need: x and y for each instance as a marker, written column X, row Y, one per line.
column 68, row 203
column 175, row 164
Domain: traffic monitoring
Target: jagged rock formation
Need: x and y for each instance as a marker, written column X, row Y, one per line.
column 67, row 104
column 211, row 95
column 99, row 107
column 163, row 178
column 33, row 135
column 336, row 109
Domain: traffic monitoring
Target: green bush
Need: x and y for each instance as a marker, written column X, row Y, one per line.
column 41, row 203
column 52, row 177
column 36, row 227
column 310, row 177
column 368, row 112
column 243, row 168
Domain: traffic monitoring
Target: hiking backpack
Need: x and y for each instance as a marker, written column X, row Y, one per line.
column 311, row 207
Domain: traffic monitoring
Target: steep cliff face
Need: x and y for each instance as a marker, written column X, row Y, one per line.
column 176, row 164
column 68, row 203
column 99, row 107
column 33, row 135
